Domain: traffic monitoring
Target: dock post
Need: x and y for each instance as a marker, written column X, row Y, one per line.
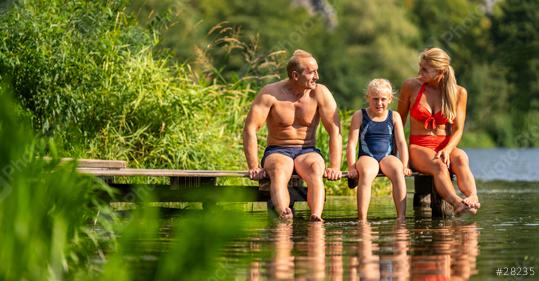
column 427, row 202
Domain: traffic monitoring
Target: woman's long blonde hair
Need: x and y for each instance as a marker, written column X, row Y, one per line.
column 440, row 60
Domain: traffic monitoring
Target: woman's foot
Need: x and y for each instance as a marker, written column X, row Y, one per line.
column 463, row 208
column 472, row 201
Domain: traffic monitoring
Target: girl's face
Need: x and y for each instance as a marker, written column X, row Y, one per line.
column 427, row 74
column 379, row 101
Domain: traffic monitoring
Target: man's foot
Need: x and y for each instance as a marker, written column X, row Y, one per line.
column 315, row 218
column 287, row 215
column 472, row 201
column 462, row 209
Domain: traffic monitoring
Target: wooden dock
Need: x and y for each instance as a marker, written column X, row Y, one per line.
column 201, row 186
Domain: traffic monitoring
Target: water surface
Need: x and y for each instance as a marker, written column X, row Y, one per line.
column 505, row 233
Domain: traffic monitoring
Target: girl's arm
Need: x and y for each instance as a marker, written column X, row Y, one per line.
column 353, row 137
column 400, row 140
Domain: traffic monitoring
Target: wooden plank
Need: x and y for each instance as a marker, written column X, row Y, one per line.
column 163, row 193
column 128, row 172
column 94, row 163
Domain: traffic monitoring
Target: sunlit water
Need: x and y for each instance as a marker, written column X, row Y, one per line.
column 504, row 235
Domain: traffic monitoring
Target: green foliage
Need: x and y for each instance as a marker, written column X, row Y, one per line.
column 47, row 212
column 56, row 225
column 516, row 44
column 93, row 82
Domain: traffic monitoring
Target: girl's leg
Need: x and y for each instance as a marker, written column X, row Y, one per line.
column 423, row 161
column 392, row 167
column 460, row 165
column 367, row 169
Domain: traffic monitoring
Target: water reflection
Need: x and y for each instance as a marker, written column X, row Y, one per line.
column 446, row 252
column 422, row 250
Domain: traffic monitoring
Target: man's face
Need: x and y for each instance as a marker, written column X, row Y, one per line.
column 308, row 77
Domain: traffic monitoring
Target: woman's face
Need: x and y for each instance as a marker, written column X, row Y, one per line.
column 427, row 74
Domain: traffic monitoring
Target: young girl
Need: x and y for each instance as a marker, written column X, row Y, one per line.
column 378, row 129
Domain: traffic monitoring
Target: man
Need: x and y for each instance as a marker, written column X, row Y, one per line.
column 292, row 110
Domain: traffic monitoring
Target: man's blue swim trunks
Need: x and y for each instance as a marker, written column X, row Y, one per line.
column 291, row 152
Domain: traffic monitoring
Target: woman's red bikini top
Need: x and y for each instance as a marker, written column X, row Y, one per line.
column 423, row 115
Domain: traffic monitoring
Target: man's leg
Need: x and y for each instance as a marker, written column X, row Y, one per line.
column 279, row 169
column 310, row 167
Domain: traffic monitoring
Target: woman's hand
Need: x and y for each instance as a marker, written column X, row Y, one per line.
column 443, row 155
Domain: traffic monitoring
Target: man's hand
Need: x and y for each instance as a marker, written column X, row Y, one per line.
column 257, row 173
column 332, row 174
column 352, row 174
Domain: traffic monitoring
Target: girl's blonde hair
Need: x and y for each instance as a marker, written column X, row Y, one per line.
column 440, row 60
column 379, row 85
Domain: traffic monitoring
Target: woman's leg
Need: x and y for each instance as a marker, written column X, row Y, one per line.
column 460, row 165
column 367, row 169
column 423, row 161
column 392, row 167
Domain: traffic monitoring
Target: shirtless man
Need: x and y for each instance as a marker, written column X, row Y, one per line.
column 292, row 110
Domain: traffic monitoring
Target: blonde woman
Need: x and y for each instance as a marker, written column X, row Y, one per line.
column 437, row 107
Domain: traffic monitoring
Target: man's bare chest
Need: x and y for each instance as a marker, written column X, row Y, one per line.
column 298, row 113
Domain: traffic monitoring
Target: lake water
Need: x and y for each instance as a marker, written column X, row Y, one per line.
column 504, row 235
column 500, row 243
column 505, row 164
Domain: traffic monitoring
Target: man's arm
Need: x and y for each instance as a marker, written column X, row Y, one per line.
column 329, row 115
column 255, row 120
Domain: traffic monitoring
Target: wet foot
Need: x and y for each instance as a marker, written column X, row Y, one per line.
column 286, row 215
column 315, row 218
column 472, row 201
column 463, row 208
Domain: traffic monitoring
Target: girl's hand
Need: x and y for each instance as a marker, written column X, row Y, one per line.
column 352, row 174
column 443, row 155
column 407, row 172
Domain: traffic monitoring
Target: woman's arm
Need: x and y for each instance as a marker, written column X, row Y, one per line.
column 457, row 128
column 404, row 100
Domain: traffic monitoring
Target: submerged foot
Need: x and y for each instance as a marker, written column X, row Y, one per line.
column 472, row 201
column 286, row 215
column 463, row 208
column 315, row 218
